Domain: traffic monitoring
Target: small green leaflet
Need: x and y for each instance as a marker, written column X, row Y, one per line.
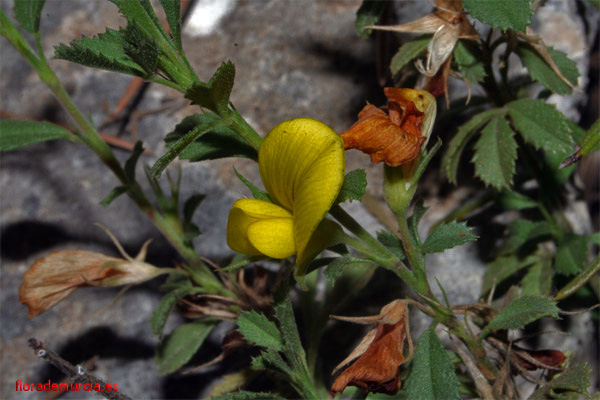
column 571, row 254
column 468, row 61
column 368, row 14
column 541, row 71
column 15, row 134
column 521, row 312
column 179, row 347
column 141, row 49
column 522, row 231
column 256, row 192
column 354, row 186
column 392, row 243
column 408, row 52
column 542, row 125
column 244, row 395
column 164, row 308
column 503, row 14
column 28, row 14
column 258, row 329
column 510, row 200
column 591, row 140
column 220, row 142
column 432, row 374
column 458, row 143
column 576, row 378
column 538, row 280
column 495, row 154
column 502, row 268
column 173, row 13
column 214, row 95
column 446, row 236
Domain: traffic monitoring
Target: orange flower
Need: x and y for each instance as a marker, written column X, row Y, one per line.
column 380, row 352
column 396, row 136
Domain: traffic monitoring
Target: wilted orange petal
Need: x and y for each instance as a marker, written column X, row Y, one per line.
column 552, row 358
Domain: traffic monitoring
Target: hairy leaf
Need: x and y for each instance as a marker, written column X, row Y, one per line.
column 28, row 14
column 258, row 329
column 542, row 125
column 215, row 94
column 469, row 61
column 354, row 186
column 408, row 52
column 576, row 378
column 538, row 280
column 522, row 231
column 164, row 308
column 15, row 134
column 446, row 236
column 571, row 254
column 458, row 143
column 179, row 347
column 541, row 71
column 173, row 13
column 392, row 243
column 141, row 14
column 504, row 14
column 432, row 374
column 502, row 268
column 495, row 154
column 142, row 49
column 368, row 14
column 521, row 312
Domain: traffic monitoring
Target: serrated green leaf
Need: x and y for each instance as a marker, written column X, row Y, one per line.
column 284, row 313
column 495, row 154
column 503, row 14
column 541, row 72
column 220, row 142
column 164, row 308
column 368, row 14
column 179, row 347
column 521, row 312
column 116, row 192
column 432, row 374
column 243, row 395
column 141, row 14
column 446, row 236
column 522, row 231
column 215, row 94
column 458, row 143
column 469, row 61
column 503, row 268
column 542, row 125
column 28, row 14
column 15, row 134
column 172, row 10
column 576, row 378
column 256, row 192
column 392, row 243
column 510, row 200
column 408, row 52
column 142, row 49
column 538, row 280
column 258, row 329
column 106, row 51
column 271, row 359
column 571, row 254
column 354, row 186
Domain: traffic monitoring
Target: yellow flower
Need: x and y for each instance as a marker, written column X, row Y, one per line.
column 301, row 164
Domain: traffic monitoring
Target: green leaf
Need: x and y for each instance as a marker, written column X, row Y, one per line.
column 116, row 192
column 244, row 395
column 335, row 269
column 220, row 142
column 571, row 254
column 495, row 154
column 258, row 329
column 419, row 210
column 542, row 125
column 503, row 14
column 576, row 378
column 164, row 308
column 447, row 236
column 106, row 51
column 15, row 134
column 591, row 140
column 132, row 161
column 190, row 206
column 142, row 49
column 179, row 347
column 432, row 374
column 256, row 192
column 173, row 13
column 215, row 94
column 502, row 268
column 521, row 312
column 408, row 52
column 271, row 359
column 368, row 14
column 510, row 200
column 541, row 72
column 458, row 143
column 141, row 14
column 287, row 324
column 392, row 243
column 538, row 280
column 28, row 14
column 469, row 61
column 522, row 231
column 354, row 186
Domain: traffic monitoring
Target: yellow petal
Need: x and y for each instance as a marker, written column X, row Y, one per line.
column 273, row 237
column 246, row 212
column 302, row 165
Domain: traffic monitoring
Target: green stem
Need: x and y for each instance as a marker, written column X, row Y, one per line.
column 236, row 122
column 579, row 281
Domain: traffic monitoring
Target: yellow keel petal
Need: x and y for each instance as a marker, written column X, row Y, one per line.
column 273, row 237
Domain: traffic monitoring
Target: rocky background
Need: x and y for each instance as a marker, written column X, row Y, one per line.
column 293, row 59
